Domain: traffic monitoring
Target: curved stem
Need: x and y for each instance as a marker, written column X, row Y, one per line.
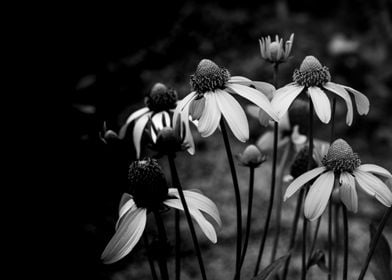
column 373, row 243
column 345, row 233
column 178, row 243
column 150, row 260
column 237, row 198
column 176, row 183
column 271, row 200
column 163, row 240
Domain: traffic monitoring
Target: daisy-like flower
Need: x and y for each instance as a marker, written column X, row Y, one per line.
column 343, row 166
column 212, row 97
column 315, row 79
column 149, row 192
column 160, row 104
column 275, row 51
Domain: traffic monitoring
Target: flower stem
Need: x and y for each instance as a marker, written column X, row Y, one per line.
column 293, row 232
column 332, row 135
column 345, row 233
column 237, row 198
column 249, row 217
column 374, row 241
column 271, row 200
column 335, row 266
column 178, row 244
column 150, row 260
column 163, row 239
column 176, row 184
column 314, row 241
column 330, row 244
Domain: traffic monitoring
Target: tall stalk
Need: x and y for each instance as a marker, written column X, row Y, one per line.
column 163, row 239
column 150, row 260
column 345, row 237
column 335, row 266
column 178, row 244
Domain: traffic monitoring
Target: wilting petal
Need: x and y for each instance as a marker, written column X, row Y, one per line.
column 210, row 118
column 374, row 187
column 138, row 132
column 255, row 97
column 132, row 117
column 196, row 108
column 234, row 115
column 183, row 103
column 184, row 118
column 361, row 101
column 284, row 97
column 321, row 104
column 348, row 192
column 378, row 170
column 318, row 196
column 127, row 235
column 302, row 180
column 339, row 90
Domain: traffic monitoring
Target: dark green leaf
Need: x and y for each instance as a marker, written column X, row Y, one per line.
column 380, row 265
column 272, row 268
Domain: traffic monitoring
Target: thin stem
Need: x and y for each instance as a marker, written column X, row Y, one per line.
column 332, row 135
column 237, row 198
column 345, row 234
column 150, row 260
column 178, row 244
column 335, row 266
column 314, row 240
column 249, row 217
column 271, row 200
column 163, row 239
column 373, row 243
column 293, row 232
column 330, row 244
column 176, row 183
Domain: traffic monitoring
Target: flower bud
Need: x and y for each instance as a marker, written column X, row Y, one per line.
column 275, row 52
column 251, row 157
column 161, row 98
column 168, row 141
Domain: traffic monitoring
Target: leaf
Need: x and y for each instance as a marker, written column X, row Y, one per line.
column 380, row 265
column 272, row 268
column 318, row 258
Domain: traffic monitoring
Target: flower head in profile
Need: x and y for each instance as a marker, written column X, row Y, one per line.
column 275, row 51
column 315, row 79
column 212, row 98
column 343, row 166
column 149, row 192
column 251, row 157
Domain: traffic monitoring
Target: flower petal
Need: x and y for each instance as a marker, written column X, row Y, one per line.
column 348, row 192
column 253, row 110
column 318, row 196
column 183, row 103
column 126, row 204
column 255, row 97
column 234, row 115
column 127, row 235
column 284, row 97
column 210, row 118
column 188, row 138
column 132, row 117
column 378, row 170
column 321, row 104
column 157, row 120
column 339, row 90
column 138, row 132
column 196, row 108
column 302, row 180
column 361, row 101
column 374, row 187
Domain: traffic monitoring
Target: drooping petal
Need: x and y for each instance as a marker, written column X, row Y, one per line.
column 196, row 108
column 131, row 118
column 240, row 80
column 297, row 138
column 284, row 97
column 255, row 97
column 348, row 192
column 126, row 237
column 184, row 118
column 339, row 90
column 183, row 103
column 375, row 169
column 166, row 120
column 126, row 203
column 321, row 104
column 320, row 150
column 318, row 196
column 302, row 180
column 234, row 115
column 210, row 118
column 138, row 132
column 157, row 120
column 361, row 101
column 374, row 187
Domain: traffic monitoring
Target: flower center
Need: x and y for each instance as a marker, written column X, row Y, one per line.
column 300, row 164
column 148, row 184
column 161, row 98
column 311, row 73
column 209, row 77
column 341, row 158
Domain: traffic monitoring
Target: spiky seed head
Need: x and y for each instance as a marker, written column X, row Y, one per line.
column 209, row 77
column 300, row 164
column 161, row 98
column 311, row 73
column 148, row 184
column 341, row 158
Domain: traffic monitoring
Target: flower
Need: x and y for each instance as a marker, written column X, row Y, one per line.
column 212, row 97
column 159, row 104
column 275, row 52
column 149, row 192
column 314, row 78
column 251, row 157
column 341, row 167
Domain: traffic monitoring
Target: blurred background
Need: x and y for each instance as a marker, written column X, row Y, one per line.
column 118, row 53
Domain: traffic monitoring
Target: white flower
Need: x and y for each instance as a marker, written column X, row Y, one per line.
column 212, row 98
column 275, row 51
column 314, row 79
column 344, row 166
